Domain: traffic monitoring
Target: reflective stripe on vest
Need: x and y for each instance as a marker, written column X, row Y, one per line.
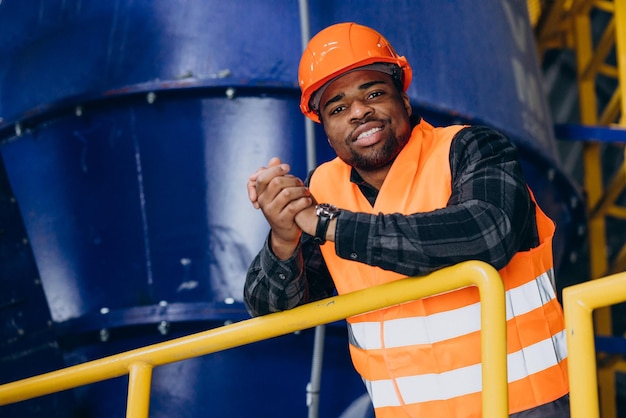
column 422, row 358
column 448, row 324
column 463, row 381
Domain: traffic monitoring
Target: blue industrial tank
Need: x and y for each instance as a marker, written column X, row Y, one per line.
column 128, row 130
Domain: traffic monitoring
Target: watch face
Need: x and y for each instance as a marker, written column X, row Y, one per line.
column 326, row 209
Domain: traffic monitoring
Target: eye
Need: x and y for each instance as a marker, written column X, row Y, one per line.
column 337, row 110
column 375, row 94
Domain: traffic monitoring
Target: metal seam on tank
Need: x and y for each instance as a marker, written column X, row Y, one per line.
column 142, row 202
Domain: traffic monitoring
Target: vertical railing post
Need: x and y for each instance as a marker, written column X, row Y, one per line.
column 139, row 382
column 581, row 353
column 495, row 396
column 579, row 301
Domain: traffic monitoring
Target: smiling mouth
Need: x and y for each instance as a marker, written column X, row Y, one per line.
column 368, row 133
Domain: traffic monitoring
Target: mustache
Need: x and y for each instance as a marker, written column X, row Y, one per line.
column 351, row 138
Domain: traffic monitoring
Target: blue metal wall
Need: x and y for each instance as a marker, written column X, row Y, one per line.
column 128, row 130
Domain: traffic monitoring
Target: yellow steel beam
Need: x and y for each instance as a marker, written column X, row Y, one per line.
column 592, row 157
column 139, row 362
column 619, row 264
column 608, row 70
column 608, row 392
column 584, row 55
column 607, row 6
column 594, row 188
column 534, row 11
column 583, row 7
column 553, row 27
column 620, row 48
column 620, row 366
column 601, row 51
column 613, row 191
column 551, row 19
column 617, row 212
column 612, row 110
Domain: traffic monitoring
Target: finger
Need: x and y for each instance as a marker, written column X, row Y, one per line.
column 266, row 176
column 274, row 161
column 252, row 191
column 290, row 202
column 283, row 218
column 252, row 195
column 295, row 206
column 254, row 175
column 281, row 189
column 275, row 202
column 251, row 186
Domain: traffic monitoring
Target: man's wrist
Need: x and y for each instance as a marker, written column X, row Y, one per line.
column 325, row 213
column 282, row 249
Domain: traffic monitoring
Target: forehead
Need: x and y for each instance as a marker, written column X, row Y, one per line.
column 354, row 80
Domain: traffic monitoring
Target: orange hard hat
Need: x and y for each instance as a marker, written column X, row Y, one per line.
column 341, row 48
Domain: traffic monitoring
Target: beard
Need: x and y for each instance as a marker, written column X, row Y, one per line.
column 376, row 158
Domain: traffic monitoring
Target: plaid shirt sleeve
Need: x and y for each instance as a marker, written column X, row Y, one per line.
column 489, row 217
column 274, row 285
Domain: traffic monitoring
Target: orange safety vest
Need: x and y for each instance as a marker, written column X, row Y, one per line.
column 423, row 358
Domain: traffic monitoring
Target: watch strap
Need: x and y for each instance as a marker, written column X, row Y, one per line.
column 322, row 226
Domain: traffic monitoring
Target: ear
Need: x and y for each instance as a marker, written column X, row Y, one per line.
column 407, row 103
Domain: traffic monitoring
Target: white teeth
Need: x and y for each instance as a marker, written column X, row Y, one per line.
column 368, row 133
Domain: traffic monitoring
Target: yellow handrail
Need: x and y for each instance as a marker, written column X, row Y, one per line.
column 139, row 363
column 579, row 301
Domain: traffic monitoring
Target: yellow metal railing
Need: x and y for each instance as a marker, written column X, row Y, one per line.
column 579, row 301
column 138, row 363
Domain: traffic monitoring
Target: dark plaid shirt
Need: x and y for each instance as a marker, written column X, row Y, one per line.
column 489, row 217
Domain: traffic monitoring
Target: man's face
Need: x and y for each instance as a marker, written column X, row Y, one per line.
column 366, row 119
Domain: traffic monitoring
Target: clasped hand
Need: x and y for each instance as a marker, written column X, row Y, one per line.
column 286, row 203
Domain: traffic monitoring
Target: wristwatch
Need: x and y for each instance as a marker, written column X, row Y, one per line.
column 325, row 212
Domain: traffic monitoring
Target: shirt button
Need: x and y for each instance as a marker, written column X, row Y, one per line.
column 281, row 276
column 354, row 256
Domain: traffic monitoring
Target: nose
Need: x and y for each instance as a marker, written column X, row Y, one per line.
column 360, row 110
